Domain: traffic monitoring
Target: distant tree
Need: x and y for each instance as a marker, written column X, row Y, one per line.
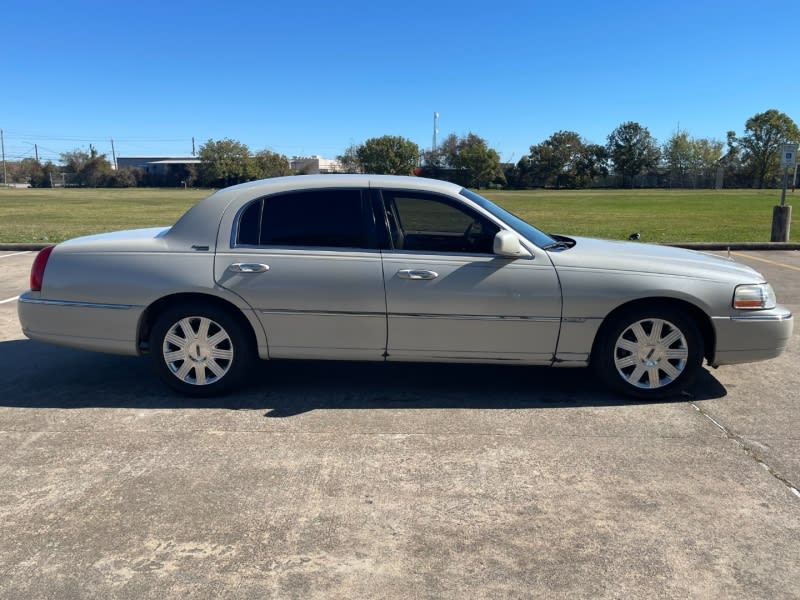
column 465, row 160
column 554, row 162
column 74, row 160
column 446, row 153
column 44, row 176
column 764, row 134
column 632, row 150
column 388, row 155
column 225, row 162
column 479, row 160
column 97, row 171
column 677, row 154
column 735, row 174
column 706, row 154
column 28, row 170
column 520, row 175
column 690, row 157
column 271, row 164
column 90, row 169
column 563, row 160
column 121, row 178
column 349, row 160
column 592, row 163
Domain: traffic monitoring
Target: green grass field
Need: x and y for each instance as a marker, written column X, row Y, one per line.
column 41, row 215
column 54, row 215
column 659, row 215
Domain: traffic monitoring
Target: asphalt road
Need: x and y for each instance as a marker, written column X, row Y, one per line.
column 329, row 480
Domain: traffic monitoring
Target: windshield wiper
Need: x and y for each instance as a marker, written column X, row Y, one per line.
column 557, row 246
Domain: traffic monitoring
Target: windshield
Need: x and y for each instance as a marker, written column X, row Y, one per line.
column 530, row 232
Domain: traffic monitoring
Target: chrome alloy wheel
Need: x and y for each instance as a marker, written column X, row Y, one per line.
column 651, row 353
column 197, row 350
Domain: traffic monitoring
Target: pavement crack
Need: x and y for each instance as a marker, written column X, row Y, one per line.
column 749, row 450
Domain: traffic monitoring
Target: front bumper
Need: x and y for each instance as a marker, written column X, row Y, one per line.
column 752, row 337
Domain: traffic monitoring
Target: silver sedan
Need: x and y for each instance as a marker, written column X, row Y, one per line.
column 379, row 268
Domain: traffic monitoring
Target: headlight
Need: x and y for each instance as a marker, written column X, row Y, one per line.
column 758, row 296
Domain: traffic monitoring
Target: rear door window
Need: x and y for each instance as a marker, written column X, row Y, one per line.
column 334, row 218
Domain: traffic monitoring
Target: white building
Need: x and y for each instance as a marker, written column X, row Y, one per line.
column 311, row 165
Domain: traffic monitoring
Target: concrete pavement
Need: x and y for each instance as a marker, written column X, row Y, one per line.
column 393, row 481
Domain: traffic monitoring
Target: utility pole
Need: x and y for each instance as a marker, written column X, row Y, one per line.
column 435, row 130
column 36, row 150
column 3, row 146
column 114, row 154
column 193, row 152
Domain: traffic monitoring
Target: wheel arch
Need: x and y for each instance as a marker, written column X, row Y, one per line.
column 152, row 312
column 701, row 319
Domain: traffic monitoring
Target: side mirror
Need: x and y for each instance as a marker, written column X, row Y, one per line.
column 506, row 243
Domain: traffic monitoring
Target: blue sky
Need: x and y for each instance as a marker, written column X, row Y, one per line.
column 314, row 77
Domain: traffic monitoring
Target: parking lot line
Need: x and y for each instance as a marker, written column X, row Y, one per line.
column 14, row 254
column 766, row 260
column 7, row 300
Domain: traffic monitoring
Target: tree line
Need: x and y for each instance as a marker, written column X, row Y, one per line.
column 630, row 157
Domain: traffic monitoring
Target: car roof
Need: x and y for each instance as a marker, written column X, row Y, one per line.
column 201, row 220
column 299, row 182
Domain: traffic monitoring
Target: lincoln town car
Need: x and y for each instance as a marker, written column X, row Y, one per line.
column 384, row 268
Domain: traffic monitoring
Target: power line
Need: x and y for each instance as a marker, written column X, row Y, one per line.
column 3, row 145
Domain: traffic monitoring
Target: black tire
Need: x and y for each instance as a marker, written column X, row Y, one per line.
column 649, row 352
column 213, row 357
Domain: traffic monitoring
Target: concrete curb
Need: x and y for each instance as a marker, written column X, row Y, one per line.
column 703, row 246
column 737, row 245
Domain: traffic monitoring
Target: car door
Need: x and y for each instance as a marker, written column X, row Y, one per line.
column 308, row 264
column 449, row 297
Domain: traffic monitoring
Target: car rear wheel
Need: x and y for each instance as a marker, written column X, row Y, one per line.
column 200, row 350
column 649, row 353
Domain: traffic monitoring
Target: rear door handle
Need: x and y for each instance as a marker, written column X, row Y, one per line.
column 416, row 274
column 248, row 268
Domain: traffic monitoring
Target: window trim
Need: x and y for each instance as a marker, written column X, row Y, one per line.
column 237, row 222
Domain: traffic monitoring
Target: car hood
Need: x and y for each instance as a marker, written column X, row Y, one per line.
column 589, row 253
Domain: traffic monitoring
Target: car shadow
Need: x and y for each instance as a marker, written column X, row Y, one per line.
column 36, row 375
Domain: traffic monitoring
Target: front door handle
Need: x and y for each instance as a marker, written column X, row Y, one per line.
column 416, row 274
column 248, row 268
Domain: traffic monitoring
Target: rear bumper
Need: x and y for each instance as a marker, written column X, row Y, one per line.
column 97, row 327
column 750, row 338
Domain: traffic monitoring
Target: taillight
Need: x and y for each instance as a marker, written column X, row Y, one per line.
column 37, row 270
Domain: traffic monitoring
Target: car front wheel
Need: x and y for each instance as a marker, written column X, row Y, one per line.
column 200, row 350
column 649, row 353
